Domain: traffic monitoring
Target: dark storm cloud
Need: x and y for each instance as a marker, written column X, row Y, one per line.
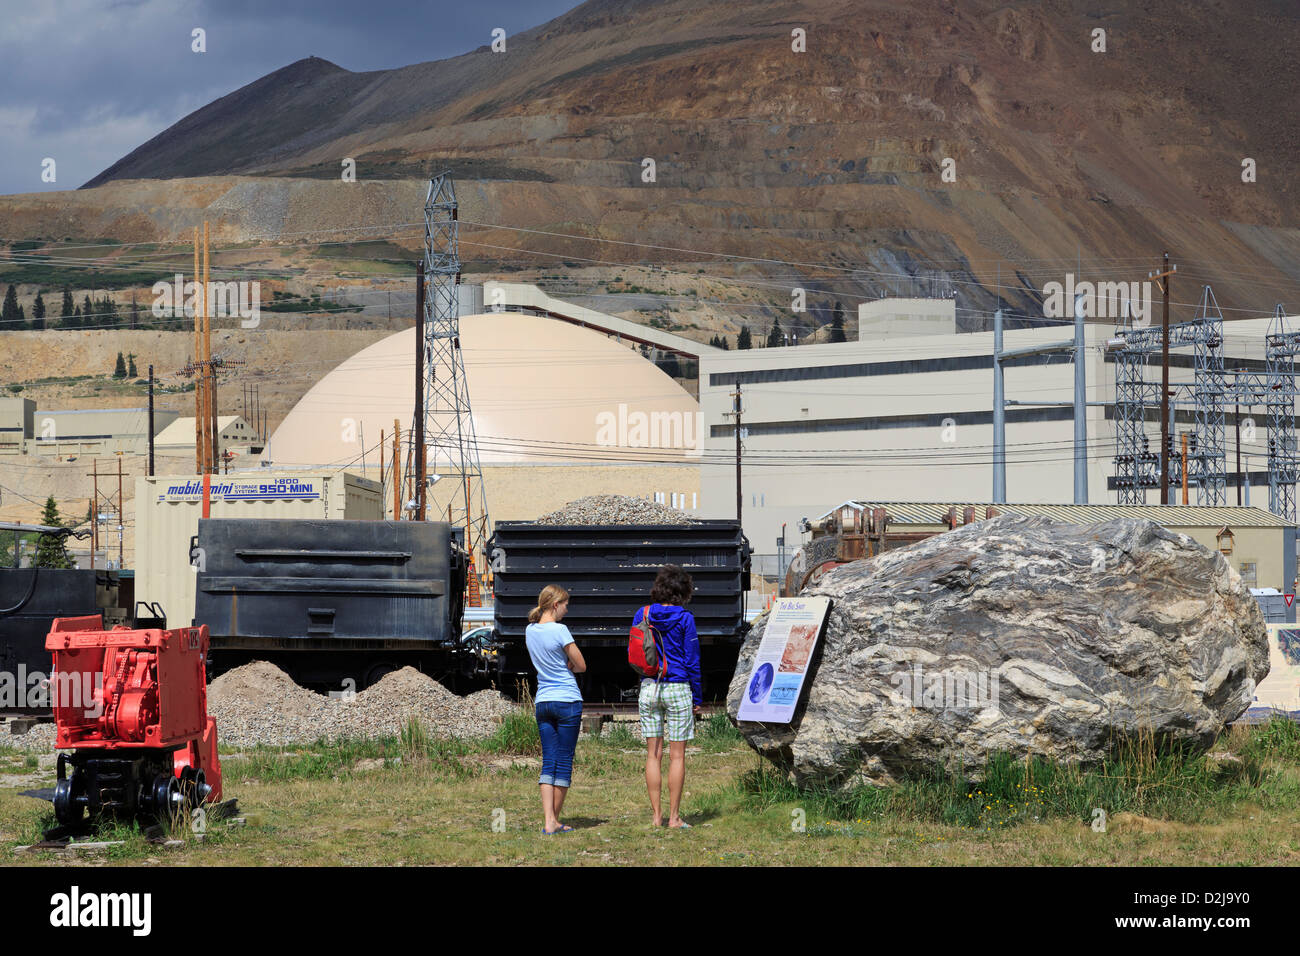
column 85, row 82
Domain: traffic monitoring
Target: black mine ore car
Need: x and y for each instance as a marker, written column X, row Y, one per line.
column 335, row 604
column 608, row 571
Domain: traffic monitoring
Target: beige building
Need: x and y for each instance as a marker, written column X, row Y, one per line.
column 96, row 431
column 233, row 435
column 560, row 412
column 16, row 420
column 904, row 318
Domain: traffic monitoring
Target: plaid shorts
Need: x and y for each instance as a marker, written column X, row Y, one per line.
column 664, row 703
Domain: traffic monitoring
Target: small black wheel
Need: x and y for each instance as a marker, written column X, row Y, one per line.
column 378, row 672
column 201, row 788
column 69, row 809
column 166, row 795
column 188, row 790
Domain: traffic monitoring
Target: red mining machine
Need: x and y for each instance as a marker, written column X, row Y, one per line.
column 132, row 706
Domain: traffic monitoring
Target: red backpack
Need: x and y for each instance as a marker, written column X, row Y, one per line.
column 643, row 653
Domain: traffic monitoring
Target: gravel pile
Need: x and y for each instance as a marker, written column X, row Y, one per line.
column 260, row 704
column 615, row 509
column 40, row 739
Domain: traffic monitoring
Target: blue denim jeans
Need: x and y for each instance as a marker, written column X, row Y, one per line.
column 558, row 723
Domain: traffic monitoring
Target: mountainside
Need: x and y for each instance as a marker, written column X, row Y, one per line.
column 830, row 157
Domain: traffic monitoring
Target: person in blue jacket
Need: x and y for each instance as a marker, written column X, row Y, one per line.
column 669, row 704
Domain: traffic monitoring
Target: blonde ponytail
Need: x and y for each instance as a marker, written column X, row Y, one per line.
column 551, row 595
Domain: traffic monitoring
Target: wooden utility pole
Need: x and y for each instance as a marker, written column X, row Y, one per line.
column 121, row 517
column 214, row 447
column 210, row 395
column 1163, row 277
column 94, row 514
column 397, row 470
column 408, row 492
column 198, row 358
column 420, row 463
column 150, row 421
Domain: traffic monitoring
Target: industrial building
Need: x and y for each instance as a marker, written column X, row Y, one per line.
column 560, row 411
column 234, row 435
column 911, row 418
column 1258, row 544
column 95, row 431
column 17, row 416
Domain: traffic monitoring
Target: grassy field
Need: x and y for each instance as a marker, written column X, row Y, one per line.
column 417, row 800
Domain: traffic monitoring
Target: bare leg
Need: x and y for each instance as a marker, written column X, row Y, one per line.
column 654, row 754
column 548, row 807
column 560, row 794
column 676, row 779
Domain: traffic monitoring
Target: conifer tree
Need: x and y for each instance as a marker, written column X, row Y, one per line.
column 9, row 311
column 51, row 551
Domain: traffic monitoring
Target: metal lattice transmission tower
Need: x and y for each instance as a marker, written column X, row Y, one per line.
column 1206, row 458
column 1282, row 347
column 1136, row 466
column 1212, row 388
column 452, row 445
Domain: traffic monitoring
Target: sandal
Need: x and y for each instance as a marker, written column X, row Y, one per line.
column 562, row 828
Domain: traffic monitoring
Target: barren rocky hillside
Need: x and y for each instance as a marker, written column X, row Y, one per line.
column 830, row 159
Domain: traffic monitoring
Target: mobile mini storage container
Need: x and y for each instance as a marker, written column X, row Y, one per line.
column 168, row 511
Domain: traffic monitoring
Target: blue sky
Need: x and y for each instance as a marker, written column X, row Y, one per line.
column 84, row 82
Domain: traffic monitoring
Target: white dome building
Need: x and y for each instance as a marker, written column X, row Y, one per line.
column 560, row 411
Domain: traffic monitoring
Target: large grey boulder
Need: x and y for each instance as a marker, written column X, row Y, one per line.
column 1020, row 635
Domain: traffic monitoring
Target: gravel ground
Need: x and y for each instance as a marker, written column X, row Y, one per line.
column 40, row 739
column 260, row 704
column 615, row 509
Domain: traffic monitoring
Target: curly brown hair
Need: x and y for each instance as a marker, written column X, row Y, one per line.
column 672, row 586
